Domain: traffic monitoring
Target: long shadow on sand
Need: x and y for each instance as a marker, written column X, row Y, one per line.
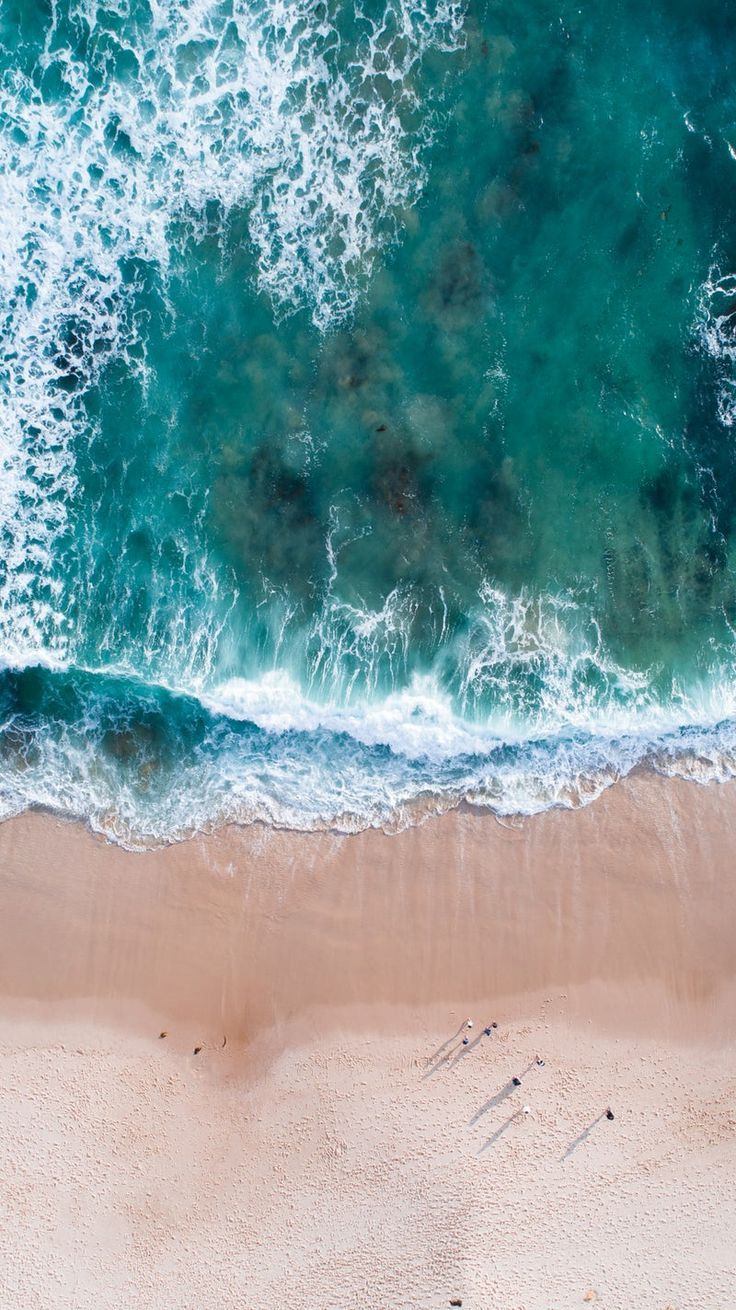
column 446, row 1056
column 501, row 1096
column 499, row 1132
column 465, row 1050
column 441, row 1056
column 498, row 1099
column 582, row 1137
column 441, row 1049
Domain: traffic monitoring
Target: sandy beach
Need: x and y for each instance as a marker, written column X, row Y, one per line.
column 333, row 1143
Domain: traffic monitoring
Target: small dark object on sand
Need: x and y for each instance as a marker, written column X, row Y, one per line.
column 197, row 1049
column 516, row 1082
column 163, row 1034
column 609, row 1114
column 456, row 1301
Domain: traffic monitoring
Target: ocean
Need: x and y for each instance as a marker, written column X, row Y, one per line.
column 368, row 407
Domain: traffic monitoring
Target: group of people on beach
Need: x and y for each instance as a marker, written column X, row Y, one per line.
column 515, row 1081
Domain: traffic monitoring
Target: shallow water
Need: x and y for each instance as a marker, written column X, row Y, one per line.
column 369, row 390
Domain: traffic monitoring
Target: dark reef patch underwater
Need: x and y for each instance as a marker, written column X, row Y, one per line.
column 368, row 406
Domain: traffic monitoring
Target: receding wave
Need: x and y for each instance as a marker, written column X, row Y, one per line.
column 148, row 765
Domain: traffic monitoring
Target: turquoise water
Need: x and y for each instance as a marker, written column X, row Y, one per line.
column 368, row 406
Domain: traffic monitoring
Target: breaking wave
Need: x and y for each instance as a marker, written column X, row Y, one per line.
column 149, row 764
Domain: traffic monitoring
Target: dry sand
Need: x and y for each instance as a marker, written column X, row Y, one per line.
column 330, row 1154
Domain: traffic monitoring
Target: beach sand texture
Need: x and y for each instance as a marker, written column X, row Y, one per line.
column 342, row 1148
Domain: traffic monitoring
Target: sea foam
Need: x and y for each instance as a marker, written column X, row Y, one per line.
column 717, row 331
column 145, row 767
column 119, row 135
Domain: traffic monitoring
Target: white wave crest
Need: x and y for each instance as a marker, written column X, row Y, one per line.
column 298, row 773
column 526, row 668
column 523, row 710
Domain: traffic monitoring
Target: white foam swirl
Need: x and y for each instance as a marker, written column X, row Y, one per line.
column 117, row 140
column 717, row 329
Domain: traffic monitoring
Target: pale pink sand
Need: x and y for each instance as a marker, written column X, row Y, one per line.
column 311, row 1162
column 341, row 1175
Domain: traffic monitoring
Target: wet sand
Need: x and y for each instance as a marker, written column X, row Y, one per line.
column 321, row 1156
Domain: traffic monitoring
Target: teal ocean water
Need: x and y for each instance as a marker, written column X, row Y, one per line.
column 368, row 406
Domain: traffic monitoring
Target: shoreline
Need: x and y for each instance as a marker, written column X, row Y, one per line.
column 248, row 926
column 277, row 759
column 320, row 1148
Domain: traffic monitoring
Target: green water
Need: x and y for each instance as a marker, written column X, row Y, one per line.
column 370, row 396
